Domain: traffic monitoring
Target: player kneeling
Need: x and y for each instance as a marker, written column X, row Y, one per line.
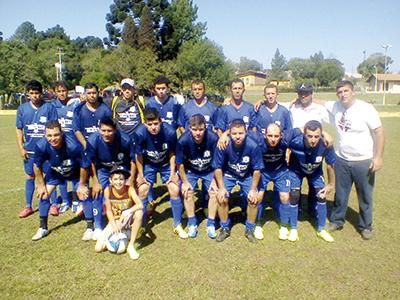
column 124, row 210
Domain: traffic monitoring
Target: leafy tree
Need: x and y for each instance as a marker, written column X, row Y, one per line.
column 56, row 32
column 203, row 60
column 130, row 33
column 278, row 66
column 89, row 42
column 25, row 33
column 1, row 36
column 329, row 72
column 146, row 38
column 93, row 68
column 375, row 63
column 246, row 64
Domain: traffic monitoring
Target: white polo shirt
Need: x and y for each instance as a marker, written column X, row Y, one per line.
column 301, row 115
column 353, row 128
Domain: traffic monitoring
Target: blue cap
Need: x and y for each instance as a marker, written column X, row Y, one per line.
column 120, row 169
column 304, row 88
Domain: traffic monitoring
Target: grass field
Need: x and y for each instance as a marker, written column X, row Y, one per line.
column 61, row 266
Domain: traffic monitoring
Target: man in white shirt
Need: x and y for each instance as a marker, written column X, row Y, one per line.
column 360, row 154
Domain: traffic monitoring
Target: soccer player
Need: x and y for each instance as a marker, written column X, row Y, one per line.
column 240, row 163
column 274, row 145
column 272, row 112
column 65, row 112
column 308, row 154
column 105, row 149
column 194, row 154
column 124, row 210
column 87, row 115
column 31, row 119
column 360, row 155
column 67, row 161
column 237, row 109
column 128, row 108
column 198, row 105
column 167, row 105
column 155, row 144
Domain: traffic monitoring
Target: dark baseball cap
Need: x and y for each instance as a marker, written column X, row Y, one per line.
column 120, row 169
column 304, row 88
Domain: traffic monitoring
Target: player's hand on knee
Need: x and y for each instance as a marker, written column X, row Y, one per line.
column 82, row 192
column 222, row 196
column 253, row 197
column 174, row 178
column 187, row 189
column 42, row 192
column 140, row 180
column 96, row 189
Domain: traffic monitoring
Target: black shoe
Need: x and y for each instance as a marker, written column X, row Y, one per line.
column 367, row 234
column 249, row 234
column 223, row 234
column 333, row 227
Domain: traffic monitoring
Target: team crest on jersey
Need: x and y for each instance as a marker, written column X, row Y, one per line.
column 246, row 119
column 169, row 114
column 132, row 109
column 43, row 119
column 207, row 153
column 70, row 114
column 278, row 123
column 207, row 118
column 246, row 159
column 318, row 159
column 120, row 156
column 164, row 146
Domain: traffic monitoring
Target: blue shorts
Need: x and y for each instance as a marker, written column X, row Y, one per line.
column 28, row 166
column 280, row 178
column 315, row 180
column 103, row 176
column 60, row 180
column 244, row 183
column 206, row 179
column 150, row 173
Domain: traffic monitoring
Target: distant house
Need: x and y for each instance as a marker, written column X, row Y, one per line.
column 381, row 82
column 253, row 78
column 281, row 83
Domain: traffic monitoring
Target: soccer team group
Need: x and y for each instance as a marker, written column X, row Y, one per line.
column 113, row 149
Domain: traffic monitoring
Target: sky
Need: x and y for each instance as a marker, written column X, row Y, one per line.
column 341, row 29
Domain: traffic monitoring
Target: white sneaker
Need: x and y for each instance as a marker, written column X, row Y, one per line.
column 325, row 235
column 283, row 233
column 87, row 235
column 41, row 233
column 293, row 235
column 259, row 233
column 97, row 234
column 133, row 254
column 192, row 231
column 211, row 232
column 180, row 232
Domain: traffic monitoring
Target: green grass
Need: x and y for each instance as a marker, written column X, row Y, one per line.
column 64, row 267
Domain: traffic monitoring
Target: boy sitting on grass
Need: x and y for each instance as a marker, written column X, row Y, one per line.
column 124, row 210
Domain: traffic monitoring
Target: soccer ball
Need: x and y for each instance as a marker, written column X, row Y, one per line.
column 117, row 243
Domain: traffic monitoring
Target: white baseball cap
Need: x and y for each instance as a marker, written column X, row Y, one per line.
column 128, row 81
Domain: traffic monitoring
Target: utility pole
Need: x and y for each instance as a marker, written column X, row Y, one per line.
column 385, row 46
column 59, row 64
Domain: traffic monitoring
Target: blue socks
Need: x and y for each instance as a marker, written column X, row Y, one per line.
column 144, row 219
column 44, row 207
column 64, row 193
column 87, row 206
column 284, row 214
column 293, row 214
column 210, row 222
column 260, row 210
column 98, row 211
column 321, row 215
column 226, row 224
column 250, row 226
column 192, row 221
column 177, row 208
column 29, row 190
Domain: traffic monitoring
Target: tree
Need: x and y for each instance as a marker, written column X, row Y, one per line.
column 278, row 66
column 203, row 60
column 375, row 63
column 130, row 33
column 89, row 42
column 329, row 72
column 25, row 33
column 246, row 64
column 146, row 38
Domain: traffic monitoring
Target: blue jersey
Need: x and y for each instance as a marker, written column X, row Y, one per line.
column 169, row 109
column 155, row 148
column 197, row 158
column 281, row 117
column 32, row 121
column 64, row 162
column 308, row 160
column 87, row 121
column 127, row 115
column 104, row 156
column 239, row 162
column 208, row 110
column 228, row 113
column 65, row 114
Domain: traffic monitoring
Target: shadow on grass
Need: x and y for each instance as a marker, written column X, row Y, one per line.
column 351, row 214
column 74, row 220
